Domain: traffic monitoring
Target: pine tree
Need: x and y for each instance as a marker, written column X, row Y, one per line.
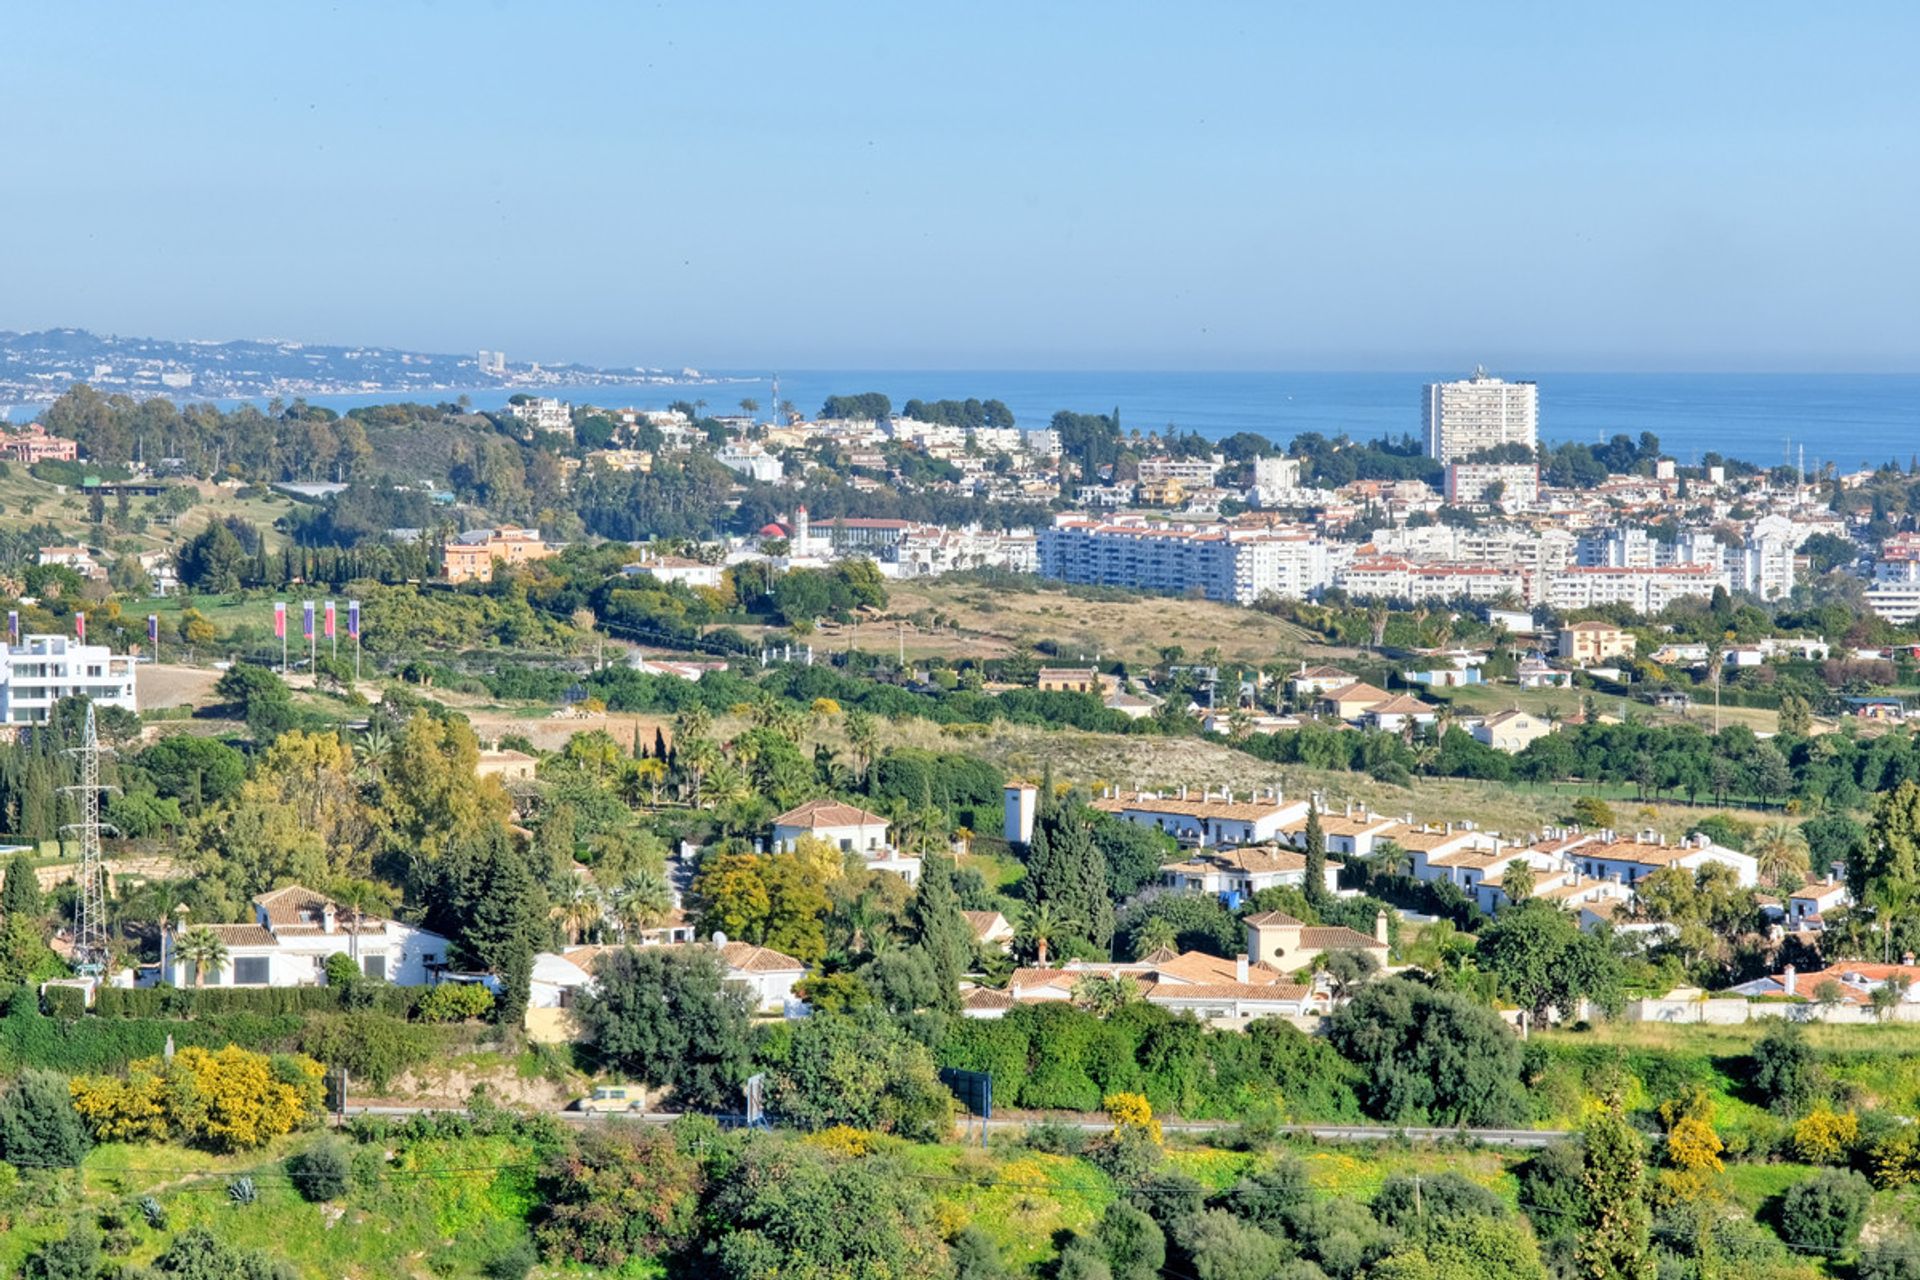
column 1067, row 869
column 1316, row 841
column 21, row 898
column 943, row 933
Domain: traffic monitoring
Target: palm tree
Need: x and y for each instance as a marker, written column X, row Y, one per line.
column 724, row 784
column 372, row 749
column 698, row 756
column 694, row 721
column 863, row 735
column 201, row 950
column 643, row 900
column 1105, row 993
column 1155, row 934
column 1780, row 851
column 1040, row 925
column 578, row 908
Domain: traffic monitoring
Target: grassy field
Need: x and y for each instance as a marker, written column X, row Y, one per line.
column 26, row 501
column 960, row 618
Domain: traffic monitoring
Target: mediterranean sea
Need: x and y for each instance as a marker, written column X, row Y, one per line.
column 1847, row 419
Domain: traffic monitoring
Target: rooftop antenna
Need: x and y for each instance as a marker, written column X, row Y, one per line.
column 90, row 920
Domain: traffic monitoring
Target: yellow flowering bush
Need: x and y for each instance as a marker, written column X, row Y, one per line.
column 1826, row 1136
column 1131, row 1112
column 228, row 1099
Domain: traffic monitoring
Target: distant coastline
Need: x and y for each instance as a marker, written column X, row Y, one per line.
column 1847, row 419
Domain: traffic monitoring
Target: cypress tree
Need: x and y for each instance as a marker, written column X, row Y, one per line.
column 943, row 933
column 1316, row 841
column 1617, row 1242
column 20, row 898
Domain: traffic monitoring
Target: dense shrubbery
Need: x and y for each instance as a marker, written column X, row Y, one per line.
column 1053, row 1056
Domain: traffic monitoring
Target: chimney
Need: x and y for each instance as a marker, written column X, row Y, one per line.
column 327, row 917
column 1380, row 927
column 1240, row 967
column 1907, row 959
column 1789, row 980
column 1183, row 791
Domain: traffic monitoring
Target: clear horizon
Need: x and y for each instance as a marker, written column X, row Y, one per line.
column 1230, row 188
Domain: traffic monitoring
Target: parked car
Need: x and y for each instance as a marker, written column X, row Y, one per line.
column 608, row 1099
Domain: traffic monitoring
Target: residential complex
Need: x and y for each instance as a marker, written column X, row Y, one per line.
column 1227, row 563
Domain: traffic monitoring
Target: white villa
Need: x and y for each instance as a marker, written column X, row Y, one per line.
column 293, row 932
column 848, row 828
column 1209, row 819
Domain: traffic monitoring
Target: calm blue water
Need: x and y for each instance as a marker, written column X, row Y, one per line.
column 1844, row 418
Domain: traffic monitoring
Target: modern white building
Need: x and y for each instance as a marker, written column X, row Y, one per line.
column 848, row 828
column 751, row 461
column 1463, row 418
column 1642, row 590
column 1470, row 483
column 1223, row 562
column 294, row 931
column 543, row 413
column 41, row 670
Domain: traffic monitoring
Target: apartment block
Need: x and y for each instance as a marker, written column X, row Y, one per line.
column 1478, row 413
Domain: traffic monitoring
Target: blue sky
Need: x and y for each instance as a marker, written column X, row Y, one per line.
column 922, row 185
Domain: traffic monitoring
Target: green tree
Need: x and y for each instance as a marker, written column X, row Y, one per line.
column 1430, row 1057
column 20, row 896
column 794, row 1212
column 74, row 1256
column 486, row 899
column 1785, row 1070
column 1065, row 868
column 39, row 1128
column 1315, row 843
column 1884, row 871
column 1825, row 1212
column 617, row 1194
column 1616, row 1244
column 942, row 932
column 669, row 1017
column 1544, row 961
column 862, row 1071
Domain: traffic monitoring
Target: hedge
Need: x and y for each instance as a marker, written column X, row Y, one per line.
column 195, row 1002
column 30, row 1039
column 1051, row 1056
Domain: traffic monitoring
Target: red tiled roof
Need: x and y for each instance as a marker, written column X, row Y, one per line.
column 823, row 812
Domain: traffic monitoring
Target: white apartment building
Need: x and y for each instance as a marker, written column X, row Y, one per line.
column 1391, row 578
column 751, row 461
column 41, row 670
column 1500, row 545
column 1188, row 471
column 543, row 413
column 1463, row 418
column 1231, row 565
column 1763, row 567
column 1642, row 590
column 1473, row 482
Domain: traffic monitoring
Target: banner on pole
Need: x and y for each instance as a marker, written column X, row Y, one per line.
column 153, row 630
column 353, row 618
column 13, row 626
column 306, row 621
column 329, row 620
column 279, row 619
column 80, row 627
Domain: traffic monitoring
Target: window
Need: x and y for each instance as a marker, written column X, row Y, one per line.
column 252, row 971
column 374, row 966
column 846, row 846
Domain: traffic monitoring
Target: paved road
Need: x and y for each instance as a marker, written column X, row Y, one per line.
column 1322, row 1132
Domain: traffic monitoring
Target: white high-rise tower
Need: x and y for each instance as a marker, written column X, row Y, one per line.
column 1467, row 417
